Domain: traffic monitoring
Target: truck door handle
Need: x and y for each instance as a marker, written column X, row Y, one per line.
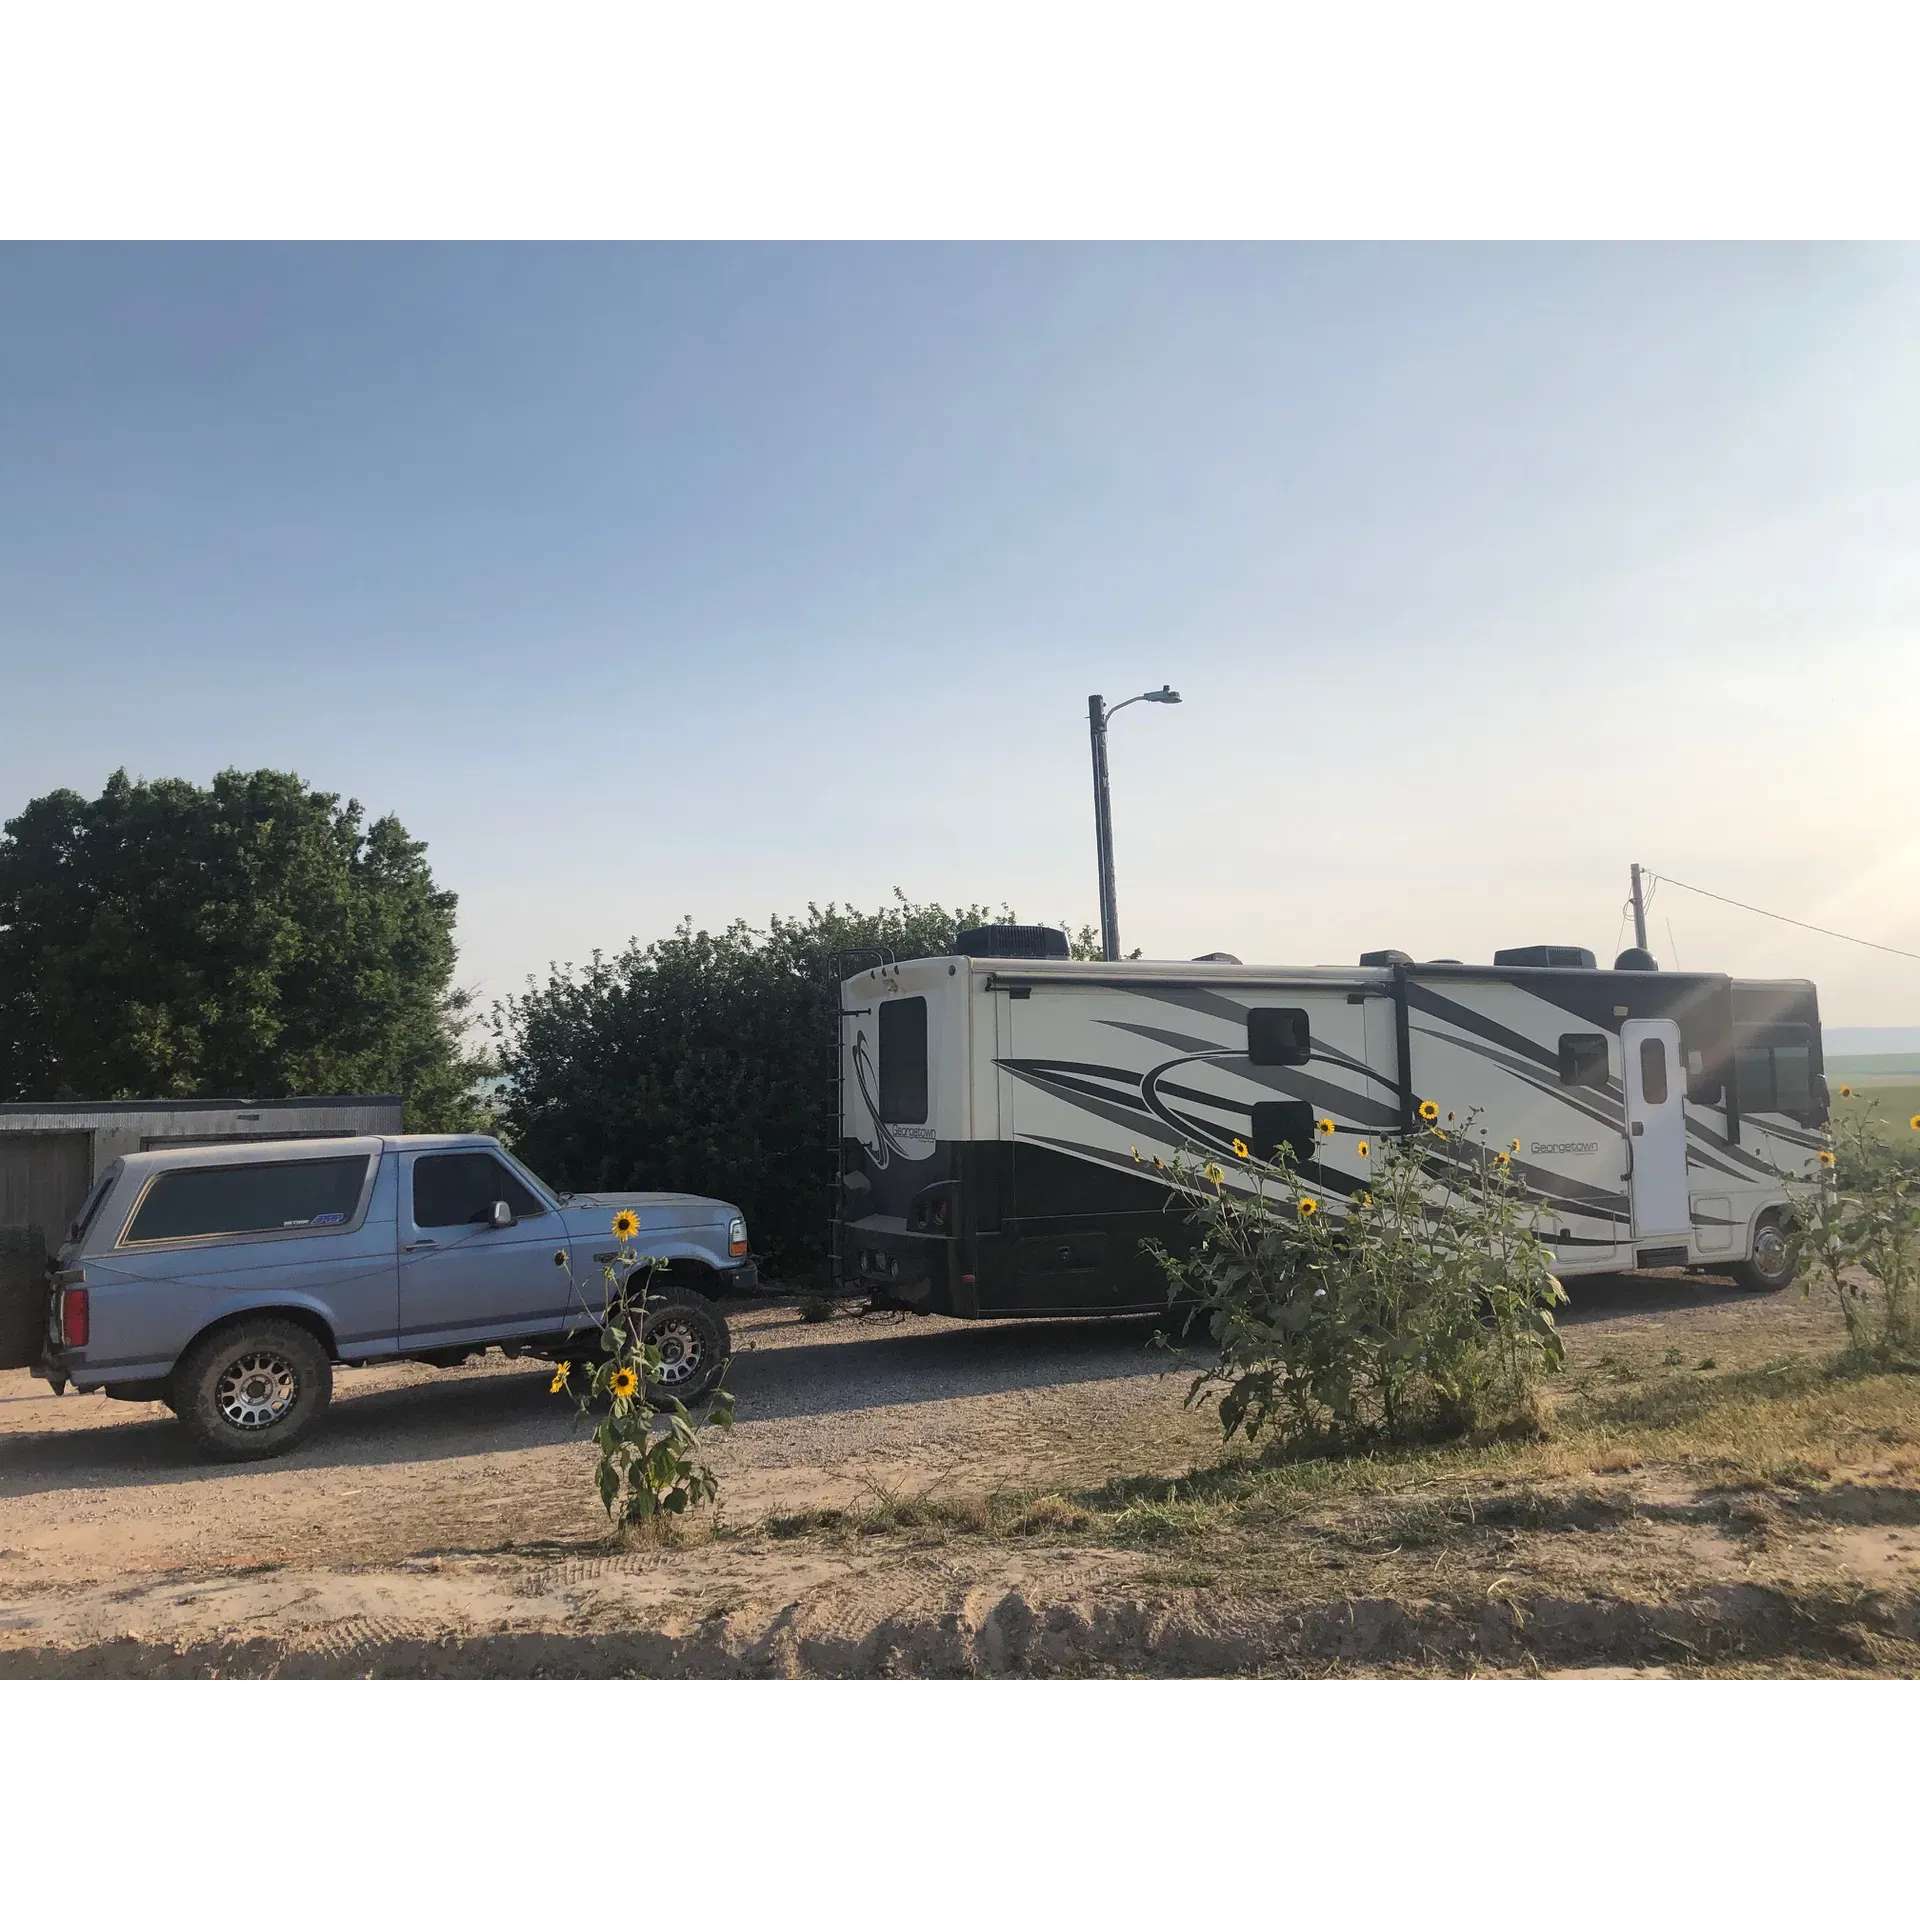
column 1639, row 1128
column 417, row 1246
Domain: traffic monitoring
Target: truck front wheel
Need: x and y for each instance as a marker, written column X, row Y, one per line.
column 250, row 1391
column 694, row 1343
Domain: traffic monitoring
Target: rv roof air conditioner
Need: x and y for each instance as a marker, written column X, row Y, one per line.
column 1545, row 957
column 1221, row 959
column 1011, row 943
column 1636, row 960
column 1386, row 957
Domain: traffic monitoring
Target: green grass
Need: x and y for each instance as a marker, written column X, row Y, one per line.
column 1889, row 1105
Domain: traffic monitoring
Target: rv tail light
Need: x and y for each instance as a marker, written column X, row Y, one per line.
column 76, row 1317
column 736, row 1236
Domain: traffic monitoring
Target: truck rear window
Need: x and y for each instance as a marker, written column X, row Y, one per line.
column 261, row 1197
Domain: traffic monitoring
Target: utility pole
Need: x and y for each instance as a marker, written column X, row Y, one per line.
column 1098, row 714
column 1639, row 910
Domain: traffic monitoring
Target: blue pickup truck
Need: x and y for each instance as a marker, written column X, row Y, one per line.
column 228, row 1282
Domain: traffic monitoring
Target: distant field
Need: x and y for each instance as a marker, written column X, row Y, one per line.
column 1889, row 1104
column 1872, row 1066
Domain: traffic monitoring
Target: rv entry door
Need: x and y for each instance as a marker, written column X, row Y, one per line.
column 1655, row 1076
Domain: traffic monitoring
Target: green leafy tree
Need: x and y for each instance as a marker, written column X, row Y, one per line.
column 251, row 939
column 704, row 1063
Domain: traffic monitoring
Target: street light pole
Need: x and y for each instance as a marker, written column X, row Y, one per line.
column 1098, row 714
column 1103, row 829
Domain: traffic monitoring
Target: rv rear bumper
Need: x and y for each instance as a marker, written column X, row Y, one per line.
column 919, row 1270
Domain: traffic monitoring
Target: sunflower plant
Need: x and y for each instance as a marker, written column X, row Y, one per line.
column 1857, row 1229
column 1424, row 1306
column 650, row 1464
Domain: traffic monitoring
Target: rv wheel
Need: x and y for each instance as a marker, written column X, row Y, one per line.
column 1774, row 1260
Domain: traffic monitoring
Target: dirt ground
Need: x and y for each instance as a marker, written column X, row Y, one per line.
column 924, row 1496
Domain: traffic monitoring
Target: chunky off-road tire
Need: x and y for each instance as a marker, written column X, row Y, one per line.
column 252, row 1390
column 1774, row 1260
column 691, row 1333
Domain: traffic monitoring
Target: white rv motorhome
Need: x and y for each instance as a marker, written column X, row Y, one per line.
column 992, row 1105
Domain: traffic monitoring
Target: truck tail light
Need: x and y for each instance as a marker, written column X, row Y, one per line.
column 76, row 1317
column 736, row 1236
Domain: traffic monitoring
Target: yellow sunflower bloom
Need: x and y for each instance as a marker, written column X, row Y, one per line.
column 626, row 1223
column 560, row 1376
column 1216, row 1174
column 1846, row 1093
column 1513, row 1146
column 1136, row 1156
column 1309, row 1206
column 1361, row 1148
column 1363, row 1199
column 1241, row 1149
column 1428, row 1111
column 624, row 1384
column 1914, row 1123
column 1824, row 1158
column 1323, row 1126
column 1158, row 1162
column 1502, row 1159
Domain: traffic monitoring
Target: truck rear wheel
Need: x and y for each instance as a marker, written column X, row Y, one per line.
column 250, row 1391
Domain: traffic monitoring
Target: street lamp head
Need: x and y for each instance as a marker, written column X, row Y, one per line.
column 1166, row 697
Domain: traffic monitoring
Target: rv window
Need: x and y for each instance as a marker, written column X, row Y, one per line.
column 1279, row 1037
column 1653, row 1072
column 903, row 1060
column 459, row 1189
column 1776, row 1078
column 254, row 1197
column 1283, row 1122
column 1583, row 1059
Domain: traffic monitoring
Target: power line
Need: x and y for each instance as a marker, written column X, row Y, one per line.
column 1853, row 939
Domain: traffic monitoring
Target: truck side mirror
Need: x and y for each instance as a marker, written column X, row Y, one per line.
column 502, row 1215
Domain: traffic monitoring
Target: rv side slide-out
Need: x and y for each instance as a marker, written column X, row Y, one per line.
column 991, row 1109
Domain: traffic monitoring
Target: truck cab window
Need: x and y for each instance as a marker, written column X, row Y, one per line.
column 1583, row 1060
column 459, row 1189
column 903, row 1061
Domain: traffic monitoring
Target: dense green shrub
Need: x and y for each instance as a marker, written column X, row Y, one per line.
column 1425, row 1308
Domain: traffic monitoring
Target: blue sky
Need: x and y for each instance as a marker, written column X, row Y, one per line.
column 652, row 581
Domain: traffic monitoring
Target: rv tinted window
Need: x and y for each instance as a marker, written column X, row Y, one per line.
column 1279, row 1037
column 1753, row 1079
column 459, row 1189
column 903, row 1060
column 1283, row 1122
column 196, row 1201
column 1653, row 1072
column 1583, row 1059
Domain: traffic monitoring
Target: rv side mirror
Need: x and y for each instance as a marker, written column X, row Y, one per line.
column 1822, row 1100
column 502, row 1215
